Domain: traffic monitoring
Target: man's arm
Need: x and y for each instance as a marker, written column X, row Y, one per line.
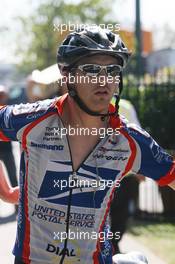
column 7, row 193
column 151, row 160
column 14, row 118
column 172, row 185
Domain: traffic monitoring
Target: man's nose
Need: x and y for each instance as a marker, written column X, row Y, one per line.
column 103, row 72
column 103, row 78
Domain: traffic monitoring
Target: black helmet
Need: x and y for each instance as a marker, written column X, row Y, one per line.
column 90, row 41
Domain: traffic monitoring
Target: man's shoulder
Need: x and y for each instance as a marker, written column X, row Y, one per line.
column 37, row 107
column 133, row 129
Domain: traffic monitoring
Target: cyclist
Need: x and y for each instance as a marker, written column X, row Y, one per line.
column 52, row 154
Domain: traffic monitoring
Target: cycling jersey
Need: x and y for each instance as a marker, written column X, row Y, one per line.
column 46, row 162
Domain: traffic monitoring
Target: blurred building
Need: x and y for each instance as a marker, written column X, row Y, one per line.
column 147, row 40
column 43, row 84
column 9, row 75
column 160, row 59
column 152, row 60
column 6, row 73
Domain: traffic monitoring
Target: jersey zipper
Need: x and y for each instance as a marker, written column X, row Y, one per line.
column 74, row 177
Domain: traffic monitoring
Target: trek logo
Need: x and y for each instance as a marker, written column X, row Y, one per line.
column 58, row 251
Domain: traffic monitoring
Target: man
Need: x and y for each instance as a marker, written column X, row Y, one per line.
column 66, row 156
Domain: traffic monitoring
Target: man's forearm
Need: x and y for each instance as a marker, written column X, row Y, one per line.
column 7, row 193
column 172, row 185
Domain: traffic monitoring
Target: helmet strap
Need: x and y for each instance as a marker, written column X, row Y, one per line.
column 73, row 93
column 83, row 106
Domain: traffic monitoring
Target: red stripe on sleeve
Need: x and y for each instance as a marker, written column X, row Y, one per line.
column 169, row 177
column 3, row 137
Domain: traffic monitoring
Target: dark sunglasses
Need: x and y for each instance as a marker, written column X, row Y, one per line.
column 95, row 69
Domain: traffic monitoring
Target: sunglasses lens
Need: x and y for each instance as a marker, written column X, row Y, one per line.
column 113, row 70
column 91, row 69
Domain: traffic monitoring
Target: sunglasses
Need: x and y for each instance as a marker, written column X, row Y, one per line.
column 95, row 69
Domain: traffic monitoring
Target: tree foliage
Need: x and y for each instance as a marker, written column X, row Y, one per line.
column 41, row 36
column 154, row 103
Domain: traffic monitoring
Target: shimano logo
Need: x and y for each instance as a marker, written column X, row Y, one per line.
column 47, row 147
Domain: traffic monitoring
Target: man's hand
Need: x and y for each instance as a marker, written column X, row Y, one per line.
column 11, row 196
column 133, row 257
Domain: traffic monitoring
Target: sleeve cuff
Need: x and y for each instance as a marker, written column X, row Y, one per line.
column 3, row 137
column 168, row 178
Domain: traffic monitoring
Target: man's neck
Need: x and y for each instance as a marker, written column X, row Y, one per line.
column 74, row 116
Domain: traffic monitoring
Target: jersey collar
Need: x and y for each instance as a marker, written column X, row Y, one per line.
column 114, row 121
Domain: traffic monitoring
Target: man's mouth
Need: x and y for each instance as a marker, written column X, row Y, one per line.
column 101, row 93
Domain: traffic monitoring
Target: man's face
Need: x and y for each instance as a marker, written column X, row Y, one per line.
column 96, row 91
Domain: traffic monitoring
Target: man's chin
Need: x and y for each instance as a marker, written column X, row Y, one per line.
column 101, row 108
column 102, row 102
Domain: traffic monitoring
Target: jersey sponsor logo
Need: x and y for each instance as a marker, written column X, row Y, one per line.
column 20, row 109
column 102, row 154
column 47, row 147
column 158, row 153
column 118, row 150
column 109, row 157
column 81, row 197
column 52, row 134
column 48, row 214
column 137, row 129
column 60, row 251
column 88, row 197
column 34, row 110
column 103, row 149
column 53, row 215
column 82, row 220
column 35, row 115
column 46, row 138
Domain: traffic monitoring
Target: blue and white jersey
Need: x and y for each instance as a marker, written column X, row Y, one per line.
column 46, row 164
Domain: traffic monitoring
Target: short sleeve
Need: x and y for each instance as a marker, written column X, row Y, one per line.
column 151, row 160
column 15, row 117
